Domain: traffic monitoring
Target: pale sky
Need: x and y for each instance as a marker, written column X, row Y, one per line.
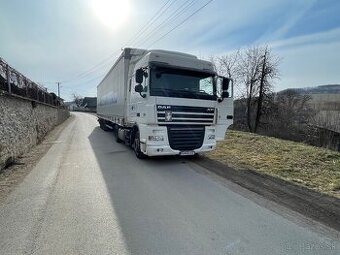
column 51, row 41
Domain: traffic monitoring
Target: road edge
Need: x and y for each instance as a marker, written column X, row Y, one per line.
column 24, row 164
column 319, row 207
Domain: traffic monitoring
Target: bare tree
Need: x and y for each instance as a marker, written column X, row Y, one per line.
column 77, row 99
column 248, row 71
column 291, row 116
column 253, row 71
column 269, row 72
column 227, row 65
column 257, row 69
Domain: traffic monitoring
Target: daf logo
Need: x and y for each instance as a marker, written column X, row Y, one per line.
column 168, row 116
column 163, row 107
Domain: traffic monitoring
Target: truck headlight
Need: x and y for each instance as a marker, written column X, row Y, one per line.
column 156, row 138
column 211, row 137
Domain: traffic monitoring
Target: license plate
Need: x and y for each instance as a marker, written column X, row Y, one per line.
column 187, row 153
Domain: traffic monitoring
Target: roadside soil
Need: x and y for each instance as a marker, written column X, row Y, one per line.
column 15, row 173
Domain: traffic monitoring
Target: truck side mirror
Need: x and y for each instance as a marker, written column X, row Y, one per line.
column 139, row 88
column 225, row 94
column 139, row 76
column 225, row 88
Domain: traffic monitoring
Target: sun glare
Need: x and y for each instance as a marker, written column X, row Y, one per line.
column 112, row 13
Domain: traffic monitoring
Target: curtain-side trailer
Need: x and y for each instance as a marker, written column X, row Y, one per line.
column 164, row 103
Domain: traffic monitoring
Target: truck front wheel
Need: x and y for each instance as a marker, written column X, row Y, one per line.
column 116, row 130
column 136, row 146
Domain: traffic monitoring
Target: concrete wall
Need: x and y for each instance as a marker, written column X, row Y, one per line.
column 23, row 124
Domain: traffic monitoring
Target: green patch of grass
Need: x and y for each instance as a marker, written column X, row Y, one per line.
column 312, row 167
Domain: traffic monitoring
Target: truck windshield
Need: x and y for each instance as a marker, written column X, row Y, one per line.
column 169, row 82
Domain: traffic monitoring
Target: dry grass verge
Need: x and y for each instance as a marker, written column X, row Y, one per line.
column 312, row 167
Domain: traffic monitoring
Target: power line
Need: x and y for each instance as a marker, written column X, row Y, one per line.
column 95, row 78
column 92, row 69
column 149, row 23
column 181, row 23
column 96, row 69
column 179, row 11
column 107, row 59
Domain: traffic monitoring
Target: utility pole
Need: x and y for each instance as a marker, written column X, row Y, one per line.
column 8, row 75
column 58, row 83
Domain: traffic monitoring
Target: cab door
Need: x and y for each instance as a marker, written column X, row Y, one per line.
column 138, row 101
column 224, row 107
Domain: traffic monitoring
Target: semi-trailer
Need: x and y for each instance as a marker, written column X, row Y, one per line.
column 165, row 103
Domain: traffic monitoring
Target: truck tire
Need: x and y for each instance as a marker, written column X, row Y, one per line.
column 118, row 140
column 136, row 146
column 103, row 126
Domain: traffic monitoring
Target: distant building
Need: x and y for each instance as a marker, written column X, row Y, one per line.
column 86, row 104
column 71, row 105
column 90, row 104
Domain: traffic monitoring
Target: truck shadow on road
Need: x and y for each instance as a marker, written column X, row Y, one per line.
column 163, row 206
column 142, row 192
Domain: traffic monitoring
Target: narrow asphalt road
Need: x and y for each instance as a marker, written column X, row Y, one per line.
column 90, row 195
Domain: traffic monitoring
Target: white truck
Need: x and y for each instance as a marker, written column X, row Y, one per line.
column 164, row 103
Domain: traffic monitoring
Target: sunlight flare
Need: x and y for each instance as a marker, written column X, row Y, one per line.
column 112, row 13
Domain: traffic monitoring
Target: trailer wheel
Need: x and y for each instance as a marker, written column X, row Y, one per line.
column 136, row 146
column 103, row 126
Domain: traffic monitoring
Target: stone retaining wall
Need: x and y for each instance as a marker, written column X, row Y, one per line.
column 23, row 124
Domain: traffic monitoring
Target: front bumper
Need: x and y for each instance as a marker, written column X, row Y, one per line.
column 162, row 148
column 167, row 151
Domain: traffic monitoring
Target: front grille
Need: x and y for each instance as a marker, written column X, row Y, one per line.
column 185, row 138
column 186, row 115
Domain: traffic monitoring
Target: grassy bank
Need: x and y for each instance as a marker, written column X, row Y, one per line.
column 313, row 167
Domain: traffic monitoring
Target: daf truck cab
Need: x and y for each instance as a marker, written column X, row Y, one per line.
column 165, row 103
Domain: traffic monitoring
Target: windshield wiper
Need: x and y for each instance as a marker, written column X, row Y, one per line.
column 165, row 90
column 196, row 93
column 181, row 92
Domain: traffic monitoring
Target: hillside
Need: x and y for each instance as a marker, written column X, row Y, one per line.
column 323, row 97
column 322, row 89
